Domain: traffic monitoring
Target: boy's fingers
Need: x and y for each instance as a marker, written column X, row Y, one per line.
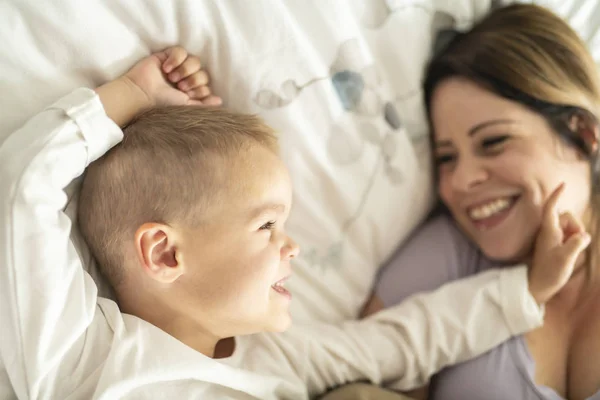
column 192, row 102
column 175, row 56
column 212, row 101
column 199, row 93
column 550, row 228
column 190, row 66
column 570, row 225
column 550, row 209
column 162, row 57
column 573, row 247
column 193, row 81
column 564, row 220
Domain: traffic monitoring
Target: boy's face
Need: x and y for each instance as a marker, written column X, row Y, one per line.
column 237, row 262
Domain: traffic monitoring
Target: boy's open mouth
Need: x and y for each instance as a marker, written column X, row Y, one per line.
column 279, row 287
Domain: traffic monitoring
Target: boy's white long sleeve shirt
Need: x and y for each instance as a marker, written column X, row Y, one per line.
column 59, row 340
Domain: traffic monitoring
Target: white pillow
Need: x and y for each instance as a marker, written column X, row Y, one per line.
column 339, row 79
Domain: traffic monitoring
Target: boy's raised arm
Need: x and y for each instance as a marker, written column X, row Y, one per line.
column 48, row 304
column 47, row 301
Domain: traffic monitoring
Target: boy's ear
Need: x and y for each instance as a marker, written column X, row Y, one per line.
column 157, row 252
column 585, row 125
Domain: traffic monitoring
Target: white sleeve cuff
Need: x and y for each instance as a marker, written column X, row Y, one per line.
column 520, row 309
column 100, row 133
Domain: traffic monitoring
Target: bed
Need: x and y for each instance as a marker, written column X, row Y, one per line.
column 338, row 79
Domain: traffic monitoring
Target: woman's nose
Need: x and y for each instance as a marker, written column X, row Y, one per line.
column 468, row 173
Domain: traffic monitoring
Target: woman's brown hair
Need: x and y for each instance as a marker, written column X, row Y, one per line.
column 529, row 55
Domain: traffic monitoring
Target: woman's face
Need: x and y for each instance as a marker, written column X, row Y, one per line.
column 497, row 163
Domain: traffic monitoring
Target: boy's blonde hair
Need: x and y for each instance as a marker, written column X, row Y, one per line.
column 168, row 169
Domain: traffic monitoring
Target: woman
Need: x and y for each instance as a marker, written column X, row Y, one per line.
column 513, row 106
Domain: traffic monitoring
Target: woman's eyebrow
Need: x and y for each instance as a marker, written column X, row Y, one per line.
column 443, row 143
column 485, row 124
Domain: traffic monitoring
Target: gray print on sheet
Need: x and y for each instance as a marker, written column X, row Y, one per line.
column 358, row 87
column 376, row 13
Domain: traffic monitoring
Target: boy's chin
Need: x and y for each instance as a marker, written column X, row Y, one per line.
column 280, row 323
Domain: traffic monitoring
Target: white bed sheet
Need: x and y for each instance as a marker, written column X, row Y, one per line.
column 339, row 79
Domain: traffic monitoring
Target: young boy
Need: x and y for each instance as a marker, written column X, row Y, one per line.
column 186, row 214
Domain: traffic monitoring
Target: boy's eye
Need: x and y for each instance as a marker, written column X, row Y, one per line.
column 268, row 226
column 494, row 141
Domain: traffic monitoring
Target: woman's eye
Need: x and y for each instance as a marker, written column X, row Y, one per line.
column 444, row 159
column 268, row 226
column 492, row 142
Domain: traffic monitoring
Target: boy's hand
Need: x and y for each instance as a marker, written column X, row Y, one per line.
column 560, row 242
column 169, row 77
column 172, row 77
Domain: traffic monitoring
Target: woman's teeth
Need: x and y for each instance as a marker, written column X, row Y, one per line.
column 487, row 210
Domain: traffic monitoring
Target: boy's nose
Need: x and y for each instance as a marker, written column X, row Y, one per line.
column 291, row 249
